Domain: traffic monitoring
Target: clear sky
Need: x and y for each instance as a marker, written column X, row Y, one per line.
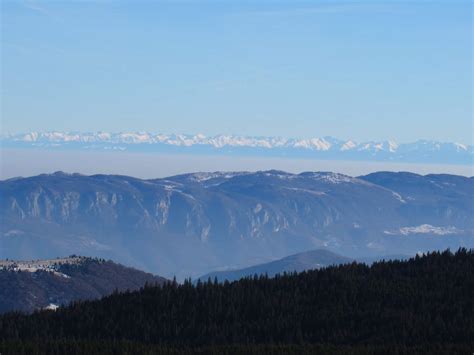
column 363, row 70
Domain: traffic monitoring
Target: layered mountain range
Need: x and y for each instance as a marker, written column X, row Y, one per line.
column 319, row 148
column 191, row 224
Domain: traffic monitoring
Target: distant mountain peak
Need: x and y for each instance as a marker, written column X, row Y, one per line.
column 330, row 177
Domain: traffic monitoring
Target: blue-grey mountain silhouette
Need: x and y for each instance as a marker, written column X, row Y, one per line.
column 191, row 224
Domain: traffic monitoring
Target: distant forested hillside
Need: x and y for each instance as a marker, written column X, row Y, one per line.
column 27, row 286
column 421, row 305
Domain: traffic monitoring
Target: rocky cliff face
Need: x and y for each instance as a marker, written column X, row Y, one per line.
column 190, row 224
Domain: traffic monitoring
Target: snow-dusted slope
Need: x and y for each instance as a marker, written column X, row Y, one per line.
column 34, row 284
column 327, row 147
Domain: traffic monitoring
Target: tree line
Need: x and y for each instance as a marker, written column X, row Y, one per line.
column 422, row 304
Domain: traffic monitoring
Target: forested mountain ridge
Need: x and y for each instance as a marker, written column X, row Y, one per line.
column 32, row 285
column 423, row 303
column 191, row 224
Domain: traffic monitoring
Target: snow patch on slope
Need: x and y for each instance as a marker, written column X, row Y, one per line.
column 425, row 229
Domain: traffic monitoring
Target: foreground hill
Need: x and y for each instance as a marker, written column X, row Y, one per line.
column 423, row 305
column 308, row 260
column 191, row 224
column 32, row 285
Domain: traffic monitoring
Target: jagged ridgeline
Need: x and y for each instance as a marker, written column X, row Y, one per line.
column 313, row 148
column 423, row 305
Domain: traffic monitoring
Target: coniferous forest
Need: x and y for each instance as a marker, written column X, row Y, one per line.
column 423, row 305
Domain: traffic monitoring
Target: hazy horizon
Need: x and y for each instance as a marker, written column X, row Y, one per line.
column 26, row 162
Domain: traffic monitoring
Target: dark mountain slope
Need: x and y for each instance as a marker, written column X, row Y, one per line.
column 26, row 286
column 425, row 303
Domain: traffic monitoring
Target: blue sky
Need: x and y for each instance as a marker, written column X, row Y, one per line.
column 361, row 70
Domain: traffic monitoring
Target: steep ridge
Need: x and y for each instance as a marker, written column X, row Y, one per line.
column 191, row 224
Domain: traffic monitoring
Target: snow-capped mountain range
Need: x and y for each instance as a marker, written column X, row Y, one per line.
column 323, row 148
